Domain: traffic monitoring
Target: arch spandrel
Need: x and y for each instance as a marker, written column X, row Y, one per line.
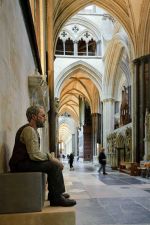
column 88, row 24
column 118, row 48
column 143, row 43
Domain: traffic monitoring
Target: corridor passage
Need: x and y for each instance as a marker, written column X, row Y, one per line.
column 115, row 198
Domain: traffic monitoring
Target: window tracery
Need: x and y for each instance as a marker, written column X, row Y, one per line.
column 84, row 44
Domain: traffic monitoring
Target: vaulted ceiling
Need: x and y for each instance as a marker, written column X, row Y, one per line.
column 79, row 84
column 128, row 12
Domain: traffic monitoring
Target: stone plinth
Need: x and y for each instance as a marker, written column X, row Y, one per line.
column 48, row 216
column 21, row 192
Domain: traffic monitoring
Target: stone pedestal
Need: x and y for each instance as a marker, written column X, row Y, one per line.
column 108, row 119
column 22, row 192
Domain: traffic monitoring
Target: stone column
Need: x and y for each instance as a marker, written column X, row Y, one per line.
column 142, row 82
column 108, row 118
column 42, row 37
column 57, row 138
column 50, row 46
column 60, row 147
column 77, row 141
column 96, row 130
column 98, row 48
column 81, row 111
column 73, row 143
column 64, row 48
column 133, row 113
column 87, row 49
column 147, row 136
column 94, row 134
column 75, row 47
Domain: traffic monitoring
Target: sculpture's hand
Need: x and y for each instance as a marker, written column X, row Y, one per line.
column 57, row 162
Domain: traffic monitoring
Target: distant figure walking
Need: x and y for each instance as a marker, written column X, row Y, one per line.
column 71, row 159
column 102, row 161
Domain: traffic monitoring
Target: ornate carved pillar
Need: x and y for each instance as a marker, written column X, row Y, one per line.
column 50, row 46
column 108, row 118
column 142, row 82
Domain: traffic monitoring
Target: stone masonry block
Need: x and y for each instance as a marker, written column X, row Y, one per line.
column 22, row 192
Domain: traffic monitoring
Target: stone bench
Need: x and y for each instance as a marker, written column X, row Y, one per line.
column 22, row 192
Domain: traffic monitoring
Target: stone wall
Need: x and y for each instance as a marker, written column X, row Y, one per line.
column 16, row 64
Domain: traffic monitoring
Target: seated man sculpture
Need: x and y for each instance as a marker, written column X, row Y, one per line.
column 27, row 157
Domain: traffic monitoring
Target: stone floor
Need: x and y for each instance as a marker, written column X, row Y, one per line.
column 116, row 198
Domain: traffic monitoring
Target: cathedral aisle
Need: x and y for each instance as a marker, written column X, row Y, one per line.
column 115, row 198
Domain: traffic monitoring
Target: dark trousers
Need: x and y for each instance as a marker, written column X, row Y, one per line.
column 55, row 177
column 71, row 163
column 102, row 167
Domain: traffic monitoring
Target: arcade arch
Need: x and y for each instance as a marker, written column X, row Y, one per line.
column 76, row 79
column 118, row 11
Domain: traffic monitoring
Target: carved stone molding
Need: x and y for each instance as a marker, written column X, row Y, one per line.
column 120, row 140
column 38, row 90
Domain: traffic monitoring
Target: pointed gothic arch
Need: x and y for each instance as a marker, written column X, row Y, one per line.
column 95, row 75
column 117, row 48
column 117, row 10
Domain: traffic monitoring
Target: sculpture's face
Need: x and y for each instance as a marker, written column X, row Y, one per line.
column 41, row 118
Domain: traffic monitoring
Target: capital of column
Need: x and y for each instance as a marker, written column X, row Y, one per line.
column 95, row 114
column 108, row 100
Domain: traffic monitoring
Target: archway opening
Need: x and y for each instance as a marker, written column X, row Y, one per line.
column 101, row 42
